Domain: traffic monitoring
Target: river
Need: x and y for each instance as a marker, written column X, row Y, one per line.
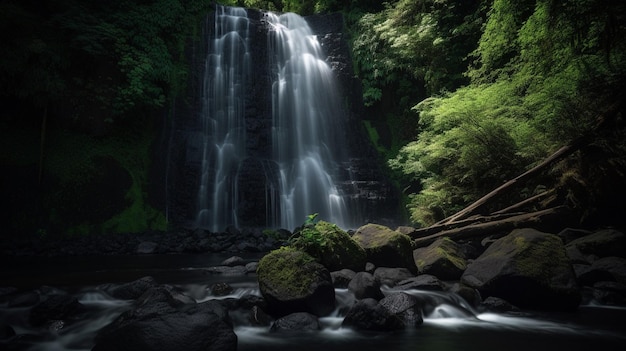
column 448, row 327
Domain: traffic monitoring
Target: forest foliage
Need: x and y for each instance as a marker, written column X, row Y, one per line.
column 102, row 59
column 460, row 95
column 541, row 74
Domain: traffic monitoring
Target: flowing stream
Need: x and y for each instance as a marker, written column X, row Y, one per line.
column 450, row 325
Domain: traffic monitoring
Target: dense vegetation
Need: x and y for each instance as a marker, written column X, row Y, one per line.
column 542, row 74
column 83, row 85
column 460, row 96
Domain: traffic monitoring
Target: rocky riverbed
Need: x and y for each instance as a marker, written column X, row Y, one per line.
column 519, row 275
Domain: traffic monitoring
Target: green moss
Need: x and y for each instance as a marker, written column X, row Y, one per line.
column 539, row 258
column 284, row 268
column 449, row 250
column 380, row 236
column 444, row 248
column 331, row 246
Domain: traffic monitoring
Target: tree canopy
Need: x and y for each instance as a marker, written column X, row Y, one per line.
column 541, row 74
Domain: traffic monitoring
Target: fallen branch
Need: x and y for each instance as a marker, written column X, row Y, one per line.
column 526, row 202
column 558, row 155
column 436, row 228
column 540, row 220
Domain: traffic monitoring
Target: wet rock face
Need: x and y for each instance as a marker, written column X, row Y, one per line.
column 527, row 268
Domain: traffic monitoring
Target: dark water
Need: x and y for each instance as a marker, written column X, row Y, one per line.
column 449, row 327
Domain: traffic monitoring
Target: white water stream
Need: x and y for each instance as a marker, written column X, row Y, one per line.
column 308, row 122
column 450, row 325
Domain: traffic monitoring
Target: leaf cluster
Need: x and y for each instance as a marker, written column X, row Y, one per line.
column 421, row 42
column 529, row 94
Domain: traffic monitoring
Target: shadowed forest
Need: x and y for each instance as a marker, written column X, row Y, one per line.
column 460, row 97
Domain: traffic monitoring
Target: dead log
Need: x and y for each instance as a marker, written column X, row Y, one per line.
column 504, row 188
column 545, row 220
column 526, row 202
column 436, row 228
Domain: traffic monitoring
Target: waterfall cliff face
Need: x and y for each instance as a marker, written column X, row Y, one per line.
column 267, row 134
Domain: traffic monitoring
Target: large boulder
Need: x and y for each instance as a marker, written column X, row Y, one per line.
column 603, row 243
column 331, row 246
column 385, row 247
column 292, row 281
column 529, row 269
column 163, row 323
column 444, row 259
column 614, row 267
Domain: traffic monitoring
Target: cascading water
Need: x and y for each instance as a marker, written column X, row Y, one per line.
column 227, row 71
column 307, row 116
column 302, row 163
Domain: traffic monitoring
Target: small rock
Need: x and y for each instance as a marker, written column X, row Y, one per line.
column 496, row 304
column 233, row 261
column 368, row 314
column 146, row 247
column 299, row 321
column 392, row 276
column 251, row 267
column 342, row 278
column 221, row 289
column 364, row 286
column 422, row 282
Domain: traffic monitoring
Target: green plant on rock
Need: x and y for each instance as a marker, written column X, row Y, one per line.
column 329, row 245
column 307, row 236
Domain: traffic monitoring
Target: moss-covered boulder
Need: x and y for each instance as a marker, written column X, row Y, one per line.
column 292, row 281
column 444, row 259
column 331, row 246
column 385, row 247
column 527, row 268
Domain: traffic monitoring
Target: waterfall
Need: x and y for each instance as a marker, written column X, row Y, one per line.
column 307, row 116
column 271, row 151
column 227, row 70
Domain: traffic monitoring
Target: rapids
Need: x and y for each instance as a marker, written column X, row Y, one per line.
column 451, row 325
